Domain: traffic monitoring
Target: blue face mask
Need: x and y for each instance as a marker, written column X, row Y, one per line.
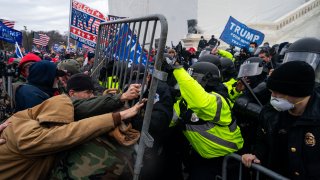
column 251, row 49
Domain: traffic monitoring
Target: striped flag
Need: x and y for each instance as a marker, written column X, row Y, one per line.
column 18, row 51
column 8, row 23
column 40, row 39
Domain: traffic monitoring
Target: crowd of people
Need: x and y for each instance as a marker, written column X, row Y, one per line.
column 259, row 102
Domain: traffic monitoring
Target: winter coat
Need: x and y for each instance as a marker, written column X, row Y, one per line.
column 36, row 136
column 39, row 86
column 302, row 147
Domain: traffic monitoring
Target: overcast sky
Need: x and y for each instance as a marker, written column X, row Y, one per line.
column 43, row 14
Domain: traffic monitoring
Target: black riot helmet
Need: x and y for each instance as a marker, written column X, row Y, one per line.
column 254, row 69
column 211, row 59
column 307, row 50
column 228, row 69
column 207, row 74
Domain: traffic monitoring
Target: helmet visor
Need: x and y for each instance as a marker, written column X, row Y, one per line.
column 250, row 69
column 311, row 58
column 196, row 76
column 204, row 52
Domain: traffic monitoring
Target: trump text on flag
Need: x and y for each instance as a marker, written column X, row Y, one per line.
column 238, row 34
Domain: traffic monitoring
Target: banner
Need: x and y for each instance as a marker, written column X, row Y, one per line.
column 237, row 34
column 122, row 48
column 85, row 23
column 113, row 18
column 10, row 35
column 56, row 48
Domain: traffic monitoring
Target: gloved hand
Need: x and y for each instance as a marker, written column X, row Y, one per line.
column 125, row 135
column 175, row 63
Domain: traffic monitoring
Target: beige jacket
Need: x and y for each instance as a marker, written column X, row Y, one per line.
column 36, row 135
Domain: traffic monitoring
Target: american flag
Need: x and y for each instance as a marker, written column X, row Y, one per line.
column 40, row 39
column 8, row 23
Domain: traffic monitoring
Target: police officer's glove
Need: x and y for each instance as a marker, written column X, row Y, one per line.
column 176, row 63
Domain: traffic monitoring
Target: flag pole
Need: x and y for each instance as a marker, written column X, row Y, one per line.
column 70, row 11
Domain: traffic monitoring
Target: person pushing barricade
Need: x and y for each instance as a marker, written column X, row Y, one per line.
column 38, row 134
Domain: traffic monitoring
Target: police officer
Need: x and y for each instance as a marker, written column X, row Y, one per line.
column 248, row 105
column 288, row 134
column 202, row 43
column 307, row 50
column 204, row 114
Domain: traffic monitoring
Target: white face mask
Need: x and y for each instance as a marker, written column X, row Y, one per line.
column 281, row 104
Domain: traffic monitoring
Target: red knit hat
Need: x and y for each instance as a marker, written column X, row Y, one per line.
column 30, row 57
column 192, row 50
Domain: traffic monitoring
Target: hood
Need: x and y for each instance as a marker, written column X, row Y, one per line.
column 58, row 109
column 42, row 74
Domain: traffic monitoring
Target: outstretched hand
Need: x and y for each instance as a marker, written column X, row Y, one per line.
column 128, row 113
column 133, row 92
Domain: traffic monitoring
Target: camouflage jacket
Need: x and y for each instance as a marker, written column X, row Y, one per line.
column 101, row 158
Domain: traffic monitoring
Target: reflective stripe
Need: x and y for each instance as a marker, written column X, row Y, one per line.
column 219, row 107
column 202, row 129
column 233, row 126
column 112, row 82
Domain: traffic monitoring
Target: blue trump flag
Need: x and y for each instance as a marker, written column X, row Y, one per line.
column 10, row 35
column 123, row 48
column 237, row 34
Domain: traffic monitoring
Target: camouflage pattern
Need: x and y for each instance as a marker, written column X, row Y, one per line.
column 98, row 159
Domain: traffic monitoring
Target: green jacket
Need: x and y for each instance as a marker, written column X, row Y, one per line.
column 217, row 135
column 84, row 108
column 226, row 54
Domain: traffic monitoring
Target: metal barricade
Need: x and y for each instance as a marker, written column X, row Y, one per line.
column 256, row 167
column 123, row 56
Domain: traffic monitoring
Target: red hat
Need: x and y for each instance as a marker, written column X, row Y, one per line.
column 192, row 50
column 10, row 60
column 30, row 57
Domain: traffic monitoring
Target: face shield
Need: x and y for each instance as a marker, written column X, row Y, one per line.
column 204, row 52
column 250, row 69
column 197, row 76
column 312, row 59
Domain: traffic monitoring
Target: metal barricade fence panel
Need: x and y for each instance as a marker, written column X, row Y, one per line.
column 259, row 169
column 123, row 56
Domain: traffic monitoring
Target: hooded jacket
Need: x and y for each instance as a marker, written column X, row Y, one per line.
column 36, row 136
column 39, row 87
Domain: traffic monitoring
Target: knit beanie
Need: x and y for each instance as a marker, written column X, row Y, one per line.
column 80, row 82
column 295, row 78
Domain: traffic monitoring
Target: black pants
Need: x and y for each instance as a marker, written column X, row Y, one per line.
column 207, row 169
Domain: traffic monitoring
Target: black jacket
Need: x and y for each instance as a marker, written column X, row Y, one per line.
column 202, row 44
column 213, row 42
column 302, row 149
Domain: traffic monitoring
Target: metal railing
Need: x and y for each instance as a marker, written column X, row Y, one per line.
column 290, row 17
column 124, row 55
column 259, row 169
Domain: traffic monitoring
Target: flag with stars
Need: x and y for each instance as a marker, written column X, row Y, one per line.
column 85, row 23
column 123, row 48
